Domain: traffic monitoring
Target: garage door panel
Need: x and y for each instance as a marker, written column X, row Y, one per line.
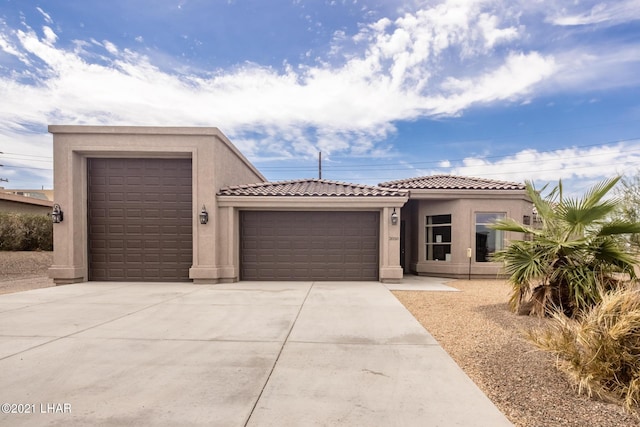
column 309, row 245
column 140, row 219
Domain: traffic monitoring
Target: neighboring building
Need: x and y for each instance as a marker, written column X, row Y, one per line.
column 15, row 203
column 35, row 194
column 133, row 198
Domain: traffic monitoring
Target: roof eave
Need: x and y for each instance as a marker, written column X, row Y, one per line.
column 312, row 202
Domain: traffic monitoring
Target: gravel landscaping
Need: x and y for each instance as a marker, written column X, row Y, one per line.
column 477, row 329
column 21, row 271
column 474, row 326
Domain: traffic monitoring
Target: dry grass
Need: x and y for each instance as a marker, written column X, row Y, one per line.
column 601, row 349
column 487, row 340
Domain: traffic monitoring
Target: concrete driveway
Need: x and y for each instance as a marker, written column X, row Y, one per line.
column 244, row 354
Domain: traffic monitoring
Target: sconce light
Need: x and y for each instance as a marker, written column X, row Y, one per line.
column 204, row 215
column 57, row 214
column 526, row 220
column 394, row 217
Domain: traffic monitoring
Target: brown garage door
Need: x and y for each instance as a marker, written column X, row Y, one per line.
column 309, row 245
column 139, row 219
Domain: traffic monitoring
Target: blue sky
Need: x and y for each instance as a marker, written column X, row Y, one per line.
column 503, row 89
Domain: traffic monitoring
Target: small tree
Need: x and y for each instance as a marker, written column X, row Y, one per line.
column 629, row 207
column 578, row 252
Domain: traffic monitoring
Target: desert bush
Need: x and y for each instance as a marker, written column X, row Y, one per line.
column 600, row 349
column 578, row 251
column 25, row 232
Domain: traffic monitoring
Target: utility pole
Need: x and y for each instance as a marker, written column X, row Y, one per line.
column 319, row 164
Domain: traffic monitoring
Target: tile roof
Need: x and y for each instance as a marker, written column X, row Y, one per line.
column 451, row 182
column 309, row 187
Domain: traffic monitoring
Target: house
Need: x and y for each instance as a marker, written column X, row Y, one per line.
column 183, row 204
column 18, row 203
column 41, row 194
column 445, row 223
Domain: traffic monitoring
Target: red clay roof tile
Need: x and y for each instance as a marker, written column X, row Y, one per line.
column 451, row 182
column 309, row 187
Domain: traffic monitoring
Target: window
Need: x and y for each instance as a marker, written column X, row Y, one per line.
column 438, row 237
column 487, row 240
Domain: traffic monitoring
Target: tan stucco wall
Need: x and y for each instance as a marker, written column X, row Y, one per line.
column 36, row 194
column 215, row 163
column 463, row 212
column 11, row 206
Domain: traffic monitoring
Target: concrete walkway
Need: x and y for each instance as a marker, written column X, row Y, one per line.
column 245, row 354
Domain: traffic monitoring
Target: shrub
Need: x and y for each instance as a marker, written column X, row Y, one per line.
column 600, row 349
column 25, row 232
column 578, row 251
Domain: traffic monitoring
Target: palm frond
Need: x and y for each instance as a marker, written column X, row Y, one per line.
column 578, row 216
column 617, row 227
column 510, row 224
column 608, row 252
column 595, row 194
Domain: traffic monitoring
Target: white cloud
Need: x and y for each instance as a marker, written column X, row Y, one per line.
column 46, row 16
column 570, row 164
column 396, row 77
column 27, row 158
column 49, row 36
column 609, row 13
column 439, row 60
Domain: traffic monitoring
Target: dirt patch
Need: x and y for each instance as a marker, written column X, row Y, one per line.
column 21, row 271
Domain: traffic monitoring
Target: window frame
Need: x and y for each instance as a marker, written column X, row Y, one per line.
column 482, row 256
column 431, row 244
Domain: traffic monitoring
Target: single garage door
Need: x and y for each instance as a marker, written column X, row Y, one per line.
column 309, row 245
column 140, row 219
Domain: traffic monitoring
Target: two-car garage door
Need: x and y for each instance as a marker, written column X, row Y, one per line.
column 306, row 245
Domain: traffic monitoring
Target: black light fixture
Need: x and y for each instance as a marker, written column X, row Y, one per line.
column 204, row 215
column 57, row 214
column 394, row 217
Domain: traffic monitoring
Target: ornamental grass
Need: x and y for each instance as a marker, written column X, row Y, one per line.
column 600, row 348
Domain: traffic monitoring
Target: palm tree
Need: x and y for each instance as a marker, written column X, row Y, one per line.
column 577, row 253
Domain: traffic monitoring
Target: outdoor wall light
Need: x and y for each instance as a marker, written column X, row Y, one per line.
column 394, row 217
column 57, row 214
column 204, row 215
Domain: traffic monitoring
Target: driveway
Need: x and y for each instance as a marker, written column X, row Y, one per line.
column 243, row 354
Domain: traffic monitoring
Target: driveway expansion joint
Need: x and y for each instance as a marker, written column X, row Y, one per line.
column 275, row 362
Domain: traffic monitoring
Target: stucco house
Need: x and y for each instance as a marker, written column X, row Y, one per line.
column 184, row 204
column 19, row 203
column 444, row 225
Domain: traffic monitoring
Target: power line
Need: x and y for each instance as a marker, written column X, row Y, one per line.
column 405, row 165
column 27, row 167
column 26, row 155
column 378, row 165
column 31, row 160
column 486, row 174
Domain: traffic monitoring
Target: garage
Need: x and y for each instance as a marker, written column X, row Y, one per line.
column 309, row 245
column 139, row 219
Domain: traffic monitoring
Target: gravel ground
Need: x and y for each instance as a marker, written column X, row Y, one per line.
column 477, row 329
column 474, row 326
column 21, row 271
